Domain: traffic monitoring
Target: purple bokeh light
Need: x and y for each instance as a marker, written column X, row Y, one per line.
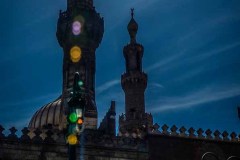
column 76, row 28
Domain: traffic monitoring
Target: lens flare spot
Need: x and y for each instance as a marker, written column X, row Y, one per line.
column 76, row 28
column 80, row 83
column 75, row 54
column 79, row 112
column 72, row 139
column 73, row 117
column 80, row 121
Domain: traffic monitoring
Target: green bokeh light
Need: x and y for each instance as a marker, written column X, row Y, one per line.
column 73, row 117
column 80, row 83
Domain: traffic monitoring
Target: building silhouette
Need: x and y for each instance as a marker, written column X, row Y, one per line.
column 138, row 138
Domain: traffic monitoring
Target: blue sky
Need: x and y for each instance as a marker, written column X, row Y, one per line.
column 191, row 58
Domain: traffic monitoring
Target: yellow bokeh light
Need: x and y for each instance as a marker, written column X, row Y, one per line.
column 72, row 139
column 75, row 54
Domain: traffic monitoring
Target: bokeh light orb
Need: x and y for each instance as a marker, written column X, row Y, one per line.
column 76, row 28
column 72, row 139
column 73, row 117
column 80, row 121
column 76, row 54
column 80, row 83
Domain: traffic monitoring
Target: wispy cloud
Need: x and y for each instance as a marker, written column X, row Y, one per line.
column 154, row 84
column 107, row 85
column 125, row 9
column 216, row 51
column 190, row 74
column 32, row 100
column 166, row 61
column 194, row 34
column 23, row 109
column 207, row 25
column 173, row 61
column 204, row 96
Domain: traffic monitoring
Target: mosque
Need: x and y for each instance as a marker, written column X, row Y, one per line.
column 79, row 32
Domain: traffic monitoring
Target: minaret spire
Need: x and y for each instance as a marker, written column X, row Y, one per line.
column 134, row 83
column 132, row 12
column 132, row 27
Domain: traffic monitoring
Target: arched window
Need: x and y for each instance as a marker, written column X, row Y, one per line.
column 233, row 158
column 209, row 156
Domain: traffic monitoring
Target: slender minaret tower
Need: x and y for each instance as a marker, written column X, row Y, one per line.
column 79, row 32
column 134, row 83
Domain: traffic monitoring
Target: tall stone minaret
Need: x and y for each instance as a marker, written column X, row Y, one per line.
column 134, row 83
column 80, row 30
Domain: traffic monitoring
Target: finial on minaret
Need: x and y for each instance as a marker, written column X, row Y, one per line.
column 132, row 12
column 132, row 27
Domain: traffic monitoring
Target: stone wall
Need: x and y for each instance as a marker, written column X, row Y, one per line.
column 178, row 148
column 50, row 144
column 183, row 144
column 159, row 144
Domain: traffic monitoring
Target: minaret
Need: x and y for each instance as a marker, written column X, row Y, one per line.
column 134, row 83
column 79, row 32
column 73, row 3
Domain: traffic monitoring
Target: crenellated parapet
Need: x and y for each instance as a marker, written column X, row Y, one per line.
column 190, row 133
column 90, row 137
column 32, row 136
column 190, row 143
column 182, row 132
column 51, row 144
column 130, row 129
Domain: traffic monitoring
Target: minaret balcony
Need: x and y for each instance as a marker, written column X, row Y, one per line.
column 138, row 79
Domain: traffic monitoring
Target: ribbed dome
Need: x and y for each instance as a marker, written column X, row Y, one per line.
column 50, row 114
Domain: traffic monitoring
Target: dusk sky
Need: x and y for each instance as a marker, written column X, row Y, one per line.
column 192, row 58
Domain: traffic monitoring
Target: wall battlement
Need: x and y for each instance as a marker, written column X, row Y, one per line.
column 49, row 143
column 48, row 135
column 189, row 133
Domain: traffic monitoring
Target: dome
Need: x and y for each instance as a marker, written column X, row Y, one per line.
column 132, row 26
column 51, row 114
